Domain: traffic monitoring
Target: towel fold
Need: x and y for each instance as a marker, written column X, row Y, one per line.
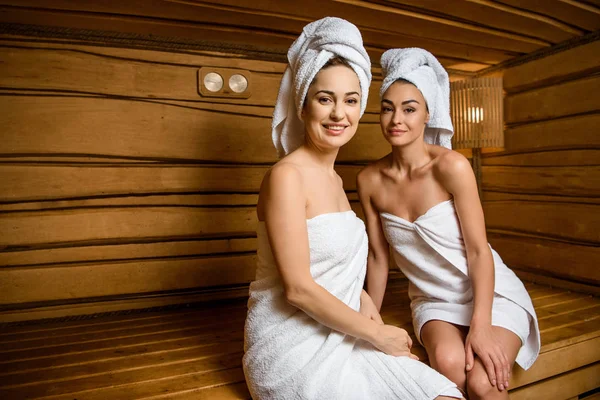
column 423, row 70
column 318, row 43
column 431, row 253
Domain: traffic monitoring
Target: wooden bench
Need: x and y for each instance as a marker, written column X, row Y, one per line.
column 195, row 352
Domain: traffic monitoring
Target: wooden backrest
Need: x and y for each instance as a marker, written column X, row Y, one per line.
column 541, row 196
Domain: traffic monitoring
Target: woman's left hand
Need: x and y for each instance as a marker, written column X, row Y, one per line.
column 368, row 308
column 483, row 342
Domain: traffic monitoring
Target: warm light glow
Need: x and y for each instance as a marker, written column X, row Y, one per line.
column 475, row 114
column 470, row 100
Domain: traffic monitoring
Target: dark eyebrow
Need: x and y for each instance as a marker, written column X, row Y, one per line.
column 329, row 92
column 403, row 103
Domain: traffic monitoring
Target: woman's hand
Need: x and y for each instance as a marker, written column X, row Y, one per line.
column 368, row 308
column 394, row 341
column 483, row 342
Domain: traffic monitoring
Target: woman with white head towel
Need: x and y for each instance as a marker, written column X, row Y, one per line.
column 470, row 311
column 312, row 332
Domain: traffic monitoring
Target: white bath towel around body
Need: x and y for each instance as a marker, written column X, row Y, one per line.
column 430, row 251
column 289, row 355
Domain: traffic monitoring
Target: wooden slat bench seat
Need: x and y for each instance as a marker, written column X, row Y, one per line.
column 195, row 352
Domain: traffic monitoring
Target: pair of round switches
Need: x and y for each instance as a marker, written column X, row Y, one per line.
column 224, row 82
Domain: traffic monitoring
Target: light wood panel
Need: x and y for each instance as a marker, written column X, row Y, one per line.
column 559, row 259
column 98, row 253
column 35, row 182
column 150, row 130
column 554, row 69
column 121, row 224
column 569, row 132
column 561, row 10
column 544, row 158
column 26, row 285
column 573, row 97
column 188, row 352
column 567, row 221
column 546, row 180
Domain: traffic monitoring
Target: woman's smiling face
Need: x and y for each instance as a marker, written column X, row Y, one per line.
column 332, row 108
column 403, row 113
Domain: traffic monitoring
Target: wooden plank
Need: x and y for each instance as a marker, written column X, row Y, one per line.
column 126, row 376
column 535, row 276
column 186, row 200
column 562, row 387
column 561, row 11
column 565, row 181
column 95, row 253
column 554, row 68
column 565, row 99
column 223, row 16
column 93, row 183
column 150, row 130
column 570, row 335
column 555, row 362
column 491, row 15
column 548, row 257
column 571, row 132
column 223, row 332
column 130, row 304
column 20, row 285
column 103, row 366
column 544, row 158
column 215, row 385
column 488, row 196
column 94, row 73
column 567, row 221
column 123, row 224
column 189, row 57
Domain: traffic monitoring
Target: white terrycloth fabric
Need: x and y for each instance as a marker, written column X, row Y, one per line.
column 318, row 43
column 289, row 355
column 423, row 70
column 431, row 253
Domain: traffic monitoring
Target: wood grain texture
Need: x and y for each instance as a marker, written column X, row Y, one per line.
column 569, row 98
column 554, row 69
column 549, row 257
column 191, row 352
column 25, row 285
column 39, row 182
column 546, row 180
column 562, row 11
column 566, row 221
column 562, row 158
column 151, row 130
column 122, row 224
column 570, row 132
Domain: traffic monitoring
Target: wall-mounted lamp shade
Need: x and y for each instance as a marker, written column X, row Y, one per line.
column 238, row 83
column 213, row 82
column 224, row 82
column 477, row 113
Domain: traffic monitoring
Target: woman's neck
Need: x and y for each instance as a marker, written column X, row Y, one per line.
column 410, row 157
column 322, row 158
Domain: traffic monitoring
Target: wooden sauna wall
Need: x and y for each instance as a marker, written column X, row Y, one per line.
column 541, row 197
column 122, row 187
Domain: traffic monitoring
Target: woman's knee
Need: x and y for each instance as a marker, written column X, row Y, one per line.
column 479, row 385
column 449, row 359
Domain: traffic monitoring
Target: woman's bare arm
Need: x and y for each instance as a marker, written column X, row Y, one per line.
column 284, row 204
column 378, row 259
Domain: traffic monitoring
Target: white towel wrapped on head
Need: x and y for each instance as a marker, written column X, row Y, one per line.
column 319, row 42
column 423, row 70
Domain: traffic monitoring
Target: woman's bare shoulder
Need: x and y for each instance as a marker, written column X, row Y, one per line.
column 371, row 174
